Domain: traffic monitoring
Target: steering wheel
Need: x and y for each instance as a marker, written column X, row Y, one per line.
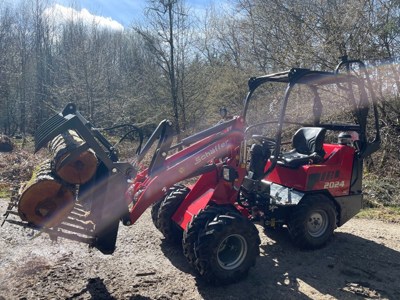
column 269, row 142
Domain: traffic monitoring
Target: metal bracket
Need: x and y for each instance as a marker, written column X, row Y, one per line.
column 11, row 205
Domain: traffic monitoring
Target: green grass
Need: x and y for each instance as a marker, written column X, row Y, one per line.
column 4, row 191
column 385, row 213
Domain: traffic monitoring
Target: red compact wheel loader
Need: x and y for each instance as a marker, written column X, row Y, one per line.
column 286, row 160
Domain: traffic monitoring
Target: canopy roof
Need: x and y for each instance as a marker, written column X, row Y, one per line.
column 301, row 76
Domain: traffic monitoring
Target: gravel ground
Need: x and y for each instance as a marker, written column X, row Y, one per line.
column 362, row 261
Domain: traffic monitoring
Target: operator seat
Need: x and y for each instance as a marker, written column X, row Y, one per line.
column 308, row 148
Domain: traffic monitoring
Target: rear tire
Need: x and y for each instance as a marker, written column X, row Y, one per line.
column 171, row 231
column 226, row 248
column 312, row 222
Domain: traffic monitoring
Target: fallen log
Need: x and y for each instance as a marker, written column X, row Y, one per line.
column 82, row 167
column 45, row 200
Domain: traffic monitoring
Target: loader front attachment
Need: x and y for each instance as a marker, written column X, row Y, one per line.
column 71, row 119
column 99, row 204
column 104, row 198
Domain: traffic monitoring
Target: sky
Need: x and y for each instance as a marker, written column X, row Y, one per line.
column 116, row 13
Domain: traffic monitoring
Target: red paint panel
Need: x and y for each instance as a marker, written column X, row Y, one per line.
column 191, row 208
column 210, row 187
column 334, row 174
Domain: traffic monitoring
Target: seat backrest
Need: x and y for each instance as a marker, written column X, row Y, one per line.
column 308, row 140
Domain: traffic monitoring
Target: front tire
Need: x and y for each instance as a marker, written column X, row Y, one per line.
column 171, row 231
column 156, row 206
column 226, row 248
column 312, row 222
column 197, row 224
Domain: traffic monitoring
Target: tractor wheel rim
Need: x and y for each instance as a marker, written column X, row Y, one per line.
column 317, row 223
column 232, row 252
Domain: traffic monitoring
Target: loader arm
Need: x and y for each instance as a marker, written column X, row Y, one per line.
column 198, row 158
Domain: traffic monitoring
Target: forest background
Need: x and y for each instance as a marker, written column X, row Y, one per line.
column 176, row 64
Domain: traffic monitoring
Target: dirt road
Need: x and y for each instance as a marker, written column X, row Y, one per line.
column 362, row 261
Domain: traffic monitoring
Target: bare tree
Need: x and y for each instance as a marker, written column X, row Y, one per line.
column 7, row 70
column 166, row 38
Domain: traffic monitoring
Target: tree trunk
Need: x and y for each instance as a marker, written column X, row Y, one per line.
column 82, row 168
column 44, row 200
